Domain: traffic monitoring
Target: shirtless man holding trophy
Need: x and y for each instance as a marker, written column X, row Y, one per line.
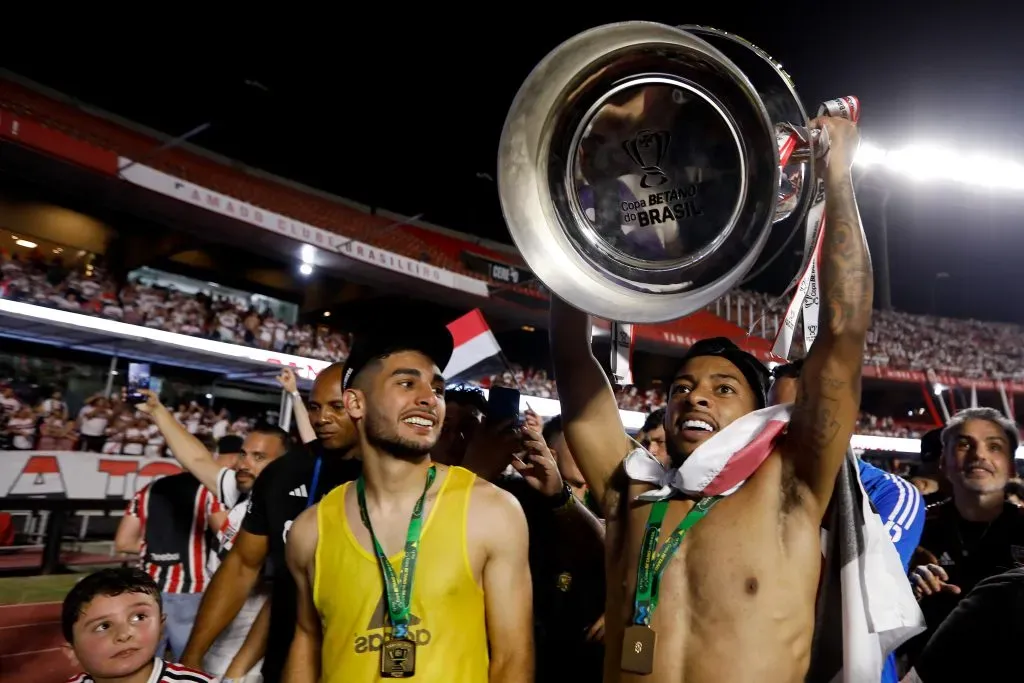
column 707, row 582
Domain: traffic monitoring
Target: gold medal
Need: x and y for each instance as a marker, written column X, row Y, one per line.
column 398, row 658
column 638, row 649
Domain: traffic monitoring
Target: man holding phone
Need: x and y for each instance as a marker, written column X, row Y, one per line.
column 138, row 382
column 566, row 538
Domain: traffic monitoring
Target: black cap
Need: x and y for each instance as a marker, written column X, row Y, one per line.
column 753, row 370
column 434, row 342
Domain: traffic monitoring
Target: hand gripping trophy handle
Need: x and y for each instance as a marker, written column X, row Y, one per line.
column 798, row 144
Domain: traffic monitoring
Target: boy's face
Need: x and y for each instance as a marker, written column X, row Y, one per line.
column 117, row 635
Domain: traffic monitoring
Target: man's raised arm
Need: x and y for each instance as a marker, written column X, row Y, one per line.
column 186, row 448
column 590, row 416
column 826, row 408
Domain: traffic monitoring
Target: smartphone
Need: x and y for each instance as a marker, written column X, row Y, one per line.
column 138, row 378
column 503, row 404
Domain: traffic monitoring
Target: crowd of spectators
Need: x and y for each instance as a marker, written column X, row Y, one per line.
column 971, row 349
column 89, row 290
column 965, row 348
column 103, row 425
column 537, row 383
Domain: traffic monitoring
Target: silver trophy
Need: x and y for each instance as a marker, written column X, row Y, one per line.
column 639, row 168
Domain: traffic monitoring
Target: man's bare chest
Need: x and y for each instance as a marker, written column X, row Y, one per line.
column 743, row 553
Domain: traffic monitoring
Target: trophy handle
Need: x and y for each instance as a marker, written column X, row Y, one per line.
column 798, row 144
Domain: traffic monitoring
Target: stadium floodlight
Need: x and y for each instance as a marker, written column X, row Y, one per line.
column 870, row 155
column 308, row 254
column 928, row 161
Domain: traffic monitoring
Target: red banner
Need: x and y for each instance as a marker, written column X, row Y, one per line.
column 685, row 332
column 82, row 476
column 917, row 376
column 37, row 136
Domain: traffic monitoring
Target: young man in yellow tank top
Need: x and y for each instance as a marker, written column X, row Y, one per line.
column 417, row 569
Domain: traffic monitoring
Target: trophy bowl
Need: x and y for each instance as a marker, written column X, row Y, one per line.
column 776, row 90
column 638, row 169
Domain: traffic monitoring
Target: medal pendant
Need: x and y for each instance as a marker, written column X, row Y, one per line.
column 638, row 649
column 398, row 658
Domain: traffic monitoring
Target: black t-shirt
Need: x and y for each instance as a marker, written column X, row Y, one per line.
column 969, row 552
column 980, row 639
column 568, row 592
column 280, row 494
column 972, row 551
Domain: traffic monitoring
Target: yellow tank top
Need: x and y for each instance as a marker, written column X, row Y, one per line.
column 447, row 620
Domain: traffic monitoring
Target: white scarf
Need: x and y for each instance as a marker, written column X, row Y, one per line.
column 721, row 464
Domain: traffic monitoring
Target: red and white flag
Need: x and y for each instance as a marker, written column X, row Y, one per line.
column 477, row 352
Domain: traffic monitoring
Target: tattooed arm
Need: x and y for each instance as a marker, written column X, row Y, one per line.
column 829, row 397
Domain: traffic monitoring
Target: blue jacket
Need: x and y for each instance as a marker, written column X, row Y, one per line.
column 901, row 508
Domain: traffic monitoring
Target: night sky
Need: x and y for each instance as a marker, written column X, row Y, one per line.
column 405, row 113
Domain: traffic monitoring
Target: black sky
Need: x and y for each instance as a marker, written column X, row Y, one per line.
column 404, row 112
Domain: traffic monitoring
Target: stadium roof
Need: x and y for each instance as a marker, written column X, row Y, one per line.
column 406, row 114
column 78, row 332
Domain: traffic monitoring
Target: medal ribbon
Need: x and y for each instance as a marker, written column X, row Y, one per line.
column 398, row 588
column 653, row 562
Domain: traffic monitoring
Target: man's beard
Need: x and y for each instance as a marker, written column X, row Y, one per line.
column 244, row 483
column 383, row 436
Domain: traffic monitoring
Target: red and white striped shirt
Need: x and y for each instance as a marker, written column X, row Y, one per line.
column 174, row 512
column 163, row 672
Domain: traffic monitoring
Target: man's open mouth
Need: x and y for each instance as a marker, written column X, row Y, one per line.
column 695, row 427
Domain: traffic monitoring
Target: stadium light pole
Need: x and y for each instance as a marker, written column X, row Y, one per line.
column 882, row 267
column 885, row 295
column 924, row 162
column 935, row 285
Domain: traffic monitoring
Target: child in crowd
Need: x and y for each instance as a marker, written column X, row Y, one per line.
column 112, row 620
